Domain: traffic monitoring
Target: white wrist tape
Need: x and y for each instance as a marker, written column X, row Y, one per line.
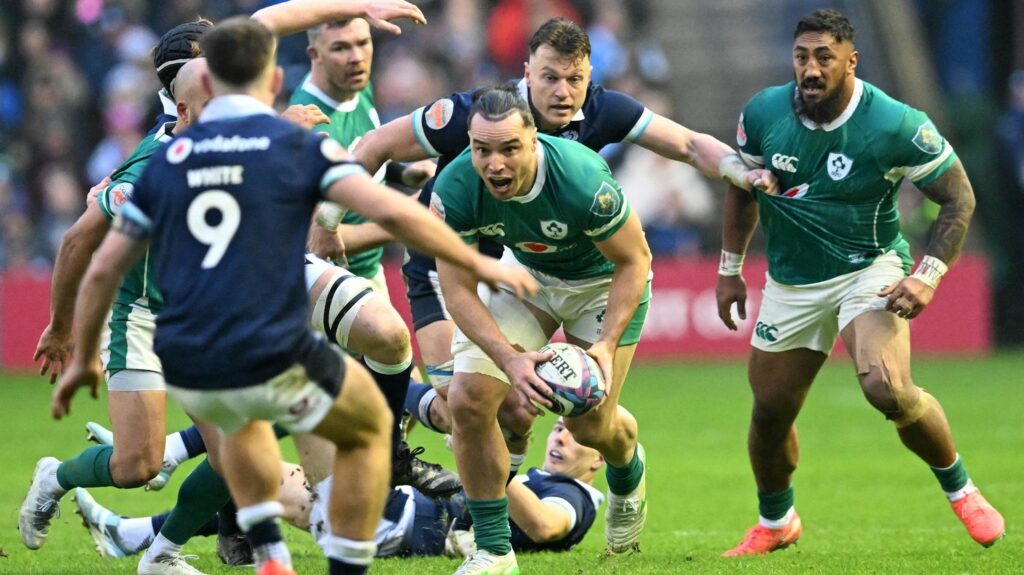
column 731, row 264
column 930, row 270
column 329, row 216
column 733, row 170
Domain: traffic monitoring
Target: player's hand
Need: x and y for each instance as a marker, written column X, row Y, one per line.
column 94, row 192
column 515, row 279
column 55, row 348
column 603, row 353
column 378, row 12
column 521, row 370
column 908, row 297
column 80, row 373
column 763, row 180
column 326, row 244
column 306, row 116
column 416, row 174
column 731, row 290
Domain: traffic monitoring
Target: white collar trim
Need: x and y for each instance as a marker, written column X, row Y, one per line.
column 851, row 107
column 234, row 106
column 542, row 176
column 346, row 106
column 170, row 107
column 524, row 92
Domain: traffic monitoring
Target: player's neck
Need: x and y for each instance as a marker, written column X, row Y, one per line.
column 319, row 79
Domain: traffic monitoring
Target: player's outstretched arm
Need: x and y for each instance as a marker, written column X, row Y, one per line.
column 299, row 15
column 394, row 141
column 416, row 227
column 627, row 249
column 702, row 151
column 365, row 236
column 76, row 247
column 955, row 196
column 116, row 255
column 739, row 219
column 542, row 522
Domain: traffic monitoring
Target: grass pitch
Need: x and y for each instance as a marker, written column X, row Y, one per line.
column 868, row 505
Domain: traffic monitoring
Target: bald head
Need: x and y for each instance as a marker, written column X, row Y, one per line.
column 190, row 93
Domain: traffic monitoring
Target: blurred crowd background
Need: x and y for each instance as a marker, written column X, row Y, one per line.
column 78, row 91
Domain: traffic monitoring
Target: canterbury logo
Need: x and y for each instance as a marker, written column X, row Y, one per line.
column 785, row 163
column 766, row 331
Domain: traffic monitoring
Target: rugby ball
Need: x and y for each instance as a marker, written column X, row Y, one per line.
column 575, row 379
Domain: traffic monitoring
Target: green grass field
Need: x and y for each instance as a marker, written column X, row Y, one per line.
column 868, row 505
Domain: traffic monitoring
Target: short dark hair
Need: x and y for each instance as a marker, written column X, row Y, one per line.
column 177, row 46
column 828, row 21
column 238, row 50
column 498, row 103
column 565, row 36
column 313, row 33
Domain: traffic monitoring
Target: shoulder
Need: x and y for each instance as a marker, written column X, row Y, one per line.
column 770, row 102
column 892, row 117
column 601, row 99
column 574, row 161
column 459, row 171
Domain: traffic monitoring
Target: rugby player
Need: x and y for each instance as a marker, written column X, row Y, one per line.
column 839, row 267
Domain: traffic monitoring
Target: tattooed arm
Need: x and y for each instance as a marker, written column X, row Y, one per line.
column 952, row 191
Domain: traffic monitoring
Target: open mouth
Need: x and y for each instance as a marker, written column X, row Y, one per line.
column 556, row 455
column 812, row 89
column 357, row 75
column 500, row 185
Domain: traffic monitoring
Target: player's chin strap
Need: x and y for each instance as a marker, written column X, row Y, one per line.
column 930, row 271
column 733, row 170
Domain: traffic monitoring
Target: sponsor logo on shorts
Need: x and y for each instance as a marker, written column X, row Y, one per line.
column 927, row 138
column 606, row 201
column 439, row 114
column 179, row 150
column 838, row 166
column 784, row 163
column 766, row 331
column 741, row 133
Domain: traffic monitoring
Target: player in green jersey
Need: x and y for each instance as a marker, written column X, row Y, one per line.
column 838, row 266
column 338, row 85
column 555, row 207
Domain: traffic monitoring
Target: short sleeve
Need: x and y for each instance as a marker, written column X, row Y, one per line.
column 441, row 128
column 447, row 202
column 608, row 209
column 331, row 162
column 622, row 118
column 748, row 136
column 114, row 197
column 919, row 152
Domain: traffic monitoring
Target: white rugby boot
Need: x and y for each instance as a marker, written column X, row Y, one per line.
column 486, row 563
column 41, row 504
column 626, row 514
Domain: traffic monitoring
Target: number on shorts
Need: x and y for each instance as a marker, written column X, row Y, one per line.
column 217, row 236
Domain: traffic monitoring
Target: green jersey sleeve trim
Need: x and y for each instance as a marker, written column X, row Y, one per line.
column 612, row 226
column 641, row 126
column 750, row 159
column 417, row 128
column 339, row 172
column 919, row 173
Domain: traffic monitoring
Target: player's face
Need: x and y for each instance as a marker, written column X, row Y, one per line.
column 558, row 86
column 344, row 54
column 824, row 70
column 504, row 154
column 567, row 457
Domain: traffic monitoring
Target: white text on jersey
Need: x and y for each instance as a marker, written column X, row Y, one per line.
column 215, row 176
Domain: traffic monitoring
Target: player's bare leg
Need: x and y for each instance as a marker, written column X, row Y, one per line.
column 879, row 343
column 435, row 343
column 780, row 382
column 138, row 419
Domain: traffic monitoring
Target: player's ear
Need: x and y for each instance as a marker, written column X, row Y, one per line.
column 311, row 52
column 526, row 71
column 277, row 82
column 207, row 83
column 598, row 463
column 182, row 113
column 854, row 57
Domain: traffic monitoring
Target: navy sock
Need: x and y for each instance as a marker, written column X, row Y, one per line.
column 413, row 397
column 193, row 441
column 394, row 386
column 227, row 524
column 339, row 567
column 158, row 521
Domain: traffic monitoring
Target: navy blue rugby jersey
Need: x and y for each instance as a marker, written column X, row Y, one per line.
column 578, row 499
column 226, row 206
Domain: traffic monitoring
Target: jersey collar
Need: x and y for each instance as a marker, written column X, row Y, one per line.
column 309, row 87
column 170, row 108
column 538, row 183
column 524, row 92
column 165, row 133
column 234, row 106
column 858, row 91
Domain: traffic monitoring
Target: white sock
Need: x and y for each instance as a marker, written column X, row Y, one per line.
column 423, row 409
column 162, row 546
column 135, row 533
column 778, row 523
column 516, row 461
column 959, row 494
column 174, row 449
column 350, row 551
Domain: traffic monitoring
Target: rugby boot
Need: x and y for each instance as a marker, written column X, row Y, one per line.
column 430, row 478
column 761, row 540
column 103, row 436
column 234, row 550
column 169, row 563
column 486, row 563
column 984, row 524
column 626, row 514
column 103, row 525
column 41, row 504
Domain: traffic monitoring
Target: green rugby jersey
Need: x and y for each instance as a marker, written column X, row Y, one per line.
column 349, row 122
column 837, row 210
column 138, row 287
column 574, row 202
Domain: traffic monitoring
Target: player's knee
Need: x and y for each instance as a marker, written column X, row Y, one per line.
column 885, row 392
column 391, row 342
column 767, row 416
column 471, row 404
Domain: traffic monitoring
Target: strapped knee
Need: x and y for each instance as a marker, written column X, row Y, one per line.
column 440, row 375
column 910, row 412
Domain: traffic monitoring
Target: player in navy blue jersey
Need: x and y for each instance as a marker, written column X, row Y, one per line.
column 226, row 206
